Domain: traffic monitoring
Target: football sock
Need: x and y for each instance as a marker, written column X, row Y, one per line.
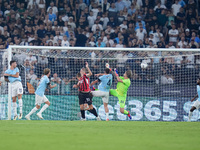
column 43, row 108
column 15, row 108
column 190, row 115
column 94, row 112
column 83, row 114
column 107, row 115
column 20, row 105
column 32, row 111
column 125, row 112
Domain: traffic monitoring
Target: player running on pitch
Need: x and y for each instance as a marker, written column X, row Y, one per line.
column 121, row 91
column 196, row 104
column 103, row 89
column 39, row 95
column 12, row 75
column 84, row 92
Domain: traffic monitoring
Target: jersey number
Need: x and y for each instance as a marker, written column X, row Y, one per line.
column 109, row 83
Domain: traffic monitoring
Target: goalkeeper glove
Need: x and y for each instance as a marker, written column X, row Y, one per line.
column 116, row 72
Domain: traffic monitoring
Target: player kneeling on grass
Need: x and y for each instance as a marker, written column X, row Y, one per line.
column 196, row 104
column 85, row 95
column 121, row 91
column 39, row 95
column 12, row 75
column 103, row 89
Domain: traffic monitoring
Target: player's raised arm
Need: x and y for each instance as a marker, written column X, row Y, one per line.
column 99, row 74
column 94, row 82
column 115, row 74
column 87, row 67
column 194, row 98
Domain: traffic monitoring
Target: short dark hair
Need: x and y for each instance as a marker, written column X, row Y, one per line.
column 129, row 73
column 107, row 70
column 78, row 75
column 46, row 71
column 12, row 61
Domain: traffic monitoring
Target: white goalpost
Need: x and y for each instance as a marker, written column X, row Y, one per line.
column 162, row 84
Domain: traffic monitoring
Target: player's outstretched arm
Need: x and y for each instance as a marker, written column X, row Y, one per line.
column 194, row 98
column 99, row 74
column 90, row 72
column 52, row 86
column 12, row 75
column 76, row 85
column 94, row 82
column 119, row 80
column 116, row 76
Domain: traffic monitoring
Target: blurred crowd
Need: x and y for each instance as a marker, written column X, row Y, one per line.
column 100, row 23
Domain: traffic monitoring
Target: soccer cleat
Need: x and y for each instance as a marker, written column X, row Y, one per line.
column 20, row 116
column 98, row 118
column 129, row 115
column 15, row 117
column 107, row 119
column 40, row 116
column 27, row 117
column 83, row 119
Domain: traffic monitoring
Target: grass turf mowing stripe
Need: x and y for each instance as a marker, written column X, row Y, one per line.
column 99, row 135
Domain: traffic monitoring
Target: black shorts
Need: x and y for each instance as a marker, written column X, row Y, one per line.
column 85, row 98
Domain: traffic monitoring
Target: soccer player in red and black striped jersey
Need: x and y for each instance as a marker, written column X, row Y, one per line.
column 84, row 92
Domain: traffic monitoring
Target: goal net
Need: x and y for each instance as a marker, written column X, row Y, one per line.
column 162, row 84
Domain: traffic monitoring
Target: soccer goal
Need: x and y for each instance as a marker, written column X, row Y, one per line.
column 163, row 81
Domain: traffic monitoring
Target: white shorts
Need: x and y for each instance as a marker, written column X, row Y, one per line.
column 39, row 99
column 104, row 95
column 196, row 104
column 16, row 88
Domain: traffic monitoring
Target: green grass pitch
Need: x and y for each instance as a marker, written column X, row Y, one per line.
column 99, row 135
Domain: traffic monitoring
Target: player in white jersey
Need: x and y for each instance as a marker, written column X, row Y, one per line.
column 103, row 89
column 12, row 75
column 196, row 104
column 39, row 95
